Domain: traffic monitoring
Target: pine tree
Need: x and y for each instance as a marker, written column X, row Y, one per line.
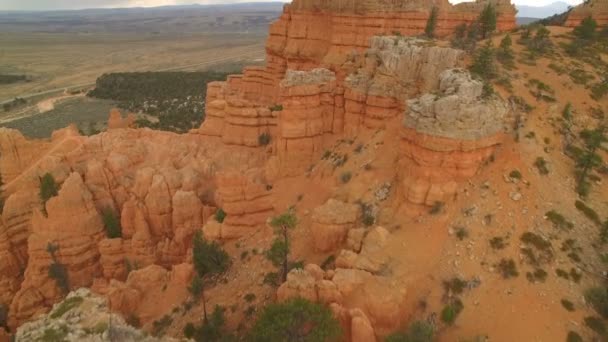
column 431, row 23
column 483, row 64
column 487, row 20
column 505, row 52
column 278, row 253
column 586, row 30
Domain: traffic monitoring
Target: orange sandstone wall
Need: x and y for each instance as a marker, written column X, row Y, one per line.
column 597, row 9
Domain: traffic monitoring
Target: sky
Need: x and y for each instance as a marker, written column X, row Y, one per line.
column 80, row 4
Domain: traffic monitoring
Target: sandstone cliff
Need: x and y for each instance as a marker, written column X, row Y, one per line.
column 597, row 9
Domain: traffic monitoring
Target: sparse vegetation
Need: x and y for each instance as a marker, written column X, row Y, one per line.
column 498, row 242
column 111, row 224
column 504, row 53
column 586, row 158
column 568, row 305
column 346, row 176
column 462, row 233
column 451, row 311
column 437, row 208
column 487, row 20
column 597, row 297
column 541, row 165
column 160, row 326
column 212, row 330
column 596, row 324
column 558, row 220
column 220, row 215
column 208, row 259
column 264, row 139
column 515, row 174
column 483, row 64
column 295, row 320
column 57, row 270
column 419, row 331
column 48, row 187
column 507, row 268
column 65, row 306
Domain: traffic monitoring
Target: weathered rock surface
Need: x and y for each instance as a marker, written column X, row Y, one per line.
column 447, row 137
column 331, row 223
column 82, row 316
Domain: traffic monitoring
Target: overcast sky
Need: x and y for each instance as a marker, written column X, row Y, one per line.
column 79, row 4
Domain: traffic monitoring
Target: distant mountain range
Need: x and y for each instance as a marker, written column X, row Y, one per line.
column 540, row 12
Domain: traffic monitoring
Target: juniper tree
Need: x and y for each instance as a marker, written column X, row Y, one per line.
column 504, row 52
column 483, row 64
column 587, row 158
column 586, row 30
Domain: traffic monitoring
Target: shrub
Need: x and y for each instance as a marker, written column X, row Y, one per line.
column 451, row 311
column 596, row 324
column 48, row 187
column 220, row 215
column 497, row 242
column 66, row 306
column 418, row 331
column 558, row 220
column 159, row 327
column 507, row 268
column 598, row 298
column 264, row 139
column 504, row 52
column 297, row 318
column 454, row 286
column 250, row 297
column 196, row 286
column 568, row 305
column 436, row 208
column 573, row 337
column 541, row 164
column 276, row 108
column 588, row 212
column 111, row 224
column 461, row 233
column 345, row 177
column 515, row 174
column 189, row 330
column 538, row 275
column 208, row 257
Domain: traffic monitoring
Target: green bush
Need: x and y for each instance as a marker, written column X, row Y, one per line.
column 568, row 305
column 436, row 208
column 451, row 311
column 48, row 187
column 515, row 174
column 596, row 324
column 264, row 139
column 586, row 30
column 220, row 215
column 483, row 63
column 487, row 20
column 573, row 337
column 507, row 268
column 418, row 331
column 295, row 320
column 558, row 220
column 208, row 257
column 111, row 224
column 346, row 176
column 598, row 298
column 588, row 212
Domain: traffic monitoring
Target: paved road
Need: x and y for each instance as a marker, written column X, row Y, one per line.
column 257, row 51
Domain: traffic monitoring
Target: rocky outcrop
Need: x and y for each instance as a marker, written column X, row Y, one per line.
column 331, row 223
column 370, row 257
column 245, row 200
column 597, row 9
column 393, row 70
column 82, row 316
column 73, row 226
column 447, row 137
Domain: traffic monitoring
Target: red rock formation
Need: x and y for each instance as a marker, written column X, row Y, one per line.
column 447, row 137
column 74, row 226
column 246, row 201
column 597, row 9
column 331, row 223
